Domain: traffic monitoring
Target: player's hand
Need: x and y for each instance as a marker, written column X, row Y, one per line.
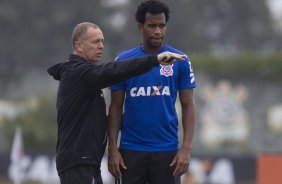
column 182, row 160
column 167, row 58
column 114, row 162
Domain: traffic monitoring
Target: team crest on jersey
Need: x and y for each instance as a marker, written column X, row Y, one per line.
column 166, row 70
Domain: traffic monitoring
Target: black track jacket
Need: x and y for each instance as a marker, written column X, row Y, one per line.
column 81, row 109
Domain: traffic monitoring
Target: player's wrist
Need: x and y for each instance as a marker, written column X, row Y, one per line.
column 112, row 148
column 187, row 147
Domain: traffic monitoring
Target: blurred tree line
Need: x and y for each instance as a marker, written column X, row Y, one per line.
column 36, row 34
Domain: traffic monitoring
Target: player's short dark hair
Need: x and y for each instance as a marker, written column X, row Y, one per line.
column 152, row 7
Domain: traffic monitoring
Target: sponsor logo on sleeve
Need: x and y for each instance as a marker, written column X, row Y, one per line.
column 192, row 76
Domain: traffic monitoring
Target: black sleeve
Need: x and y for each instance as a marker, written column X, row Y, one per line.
column 104, row 75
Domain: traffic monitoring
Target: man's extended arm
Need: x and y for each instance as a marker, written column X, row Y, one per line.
column 107, row 74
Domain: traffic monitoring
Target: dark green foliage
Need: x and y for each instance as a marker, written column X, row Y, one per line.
column 36, row 33
column 249, row 65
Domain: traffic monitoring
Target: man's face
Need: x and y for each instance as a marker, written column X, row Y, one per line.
column 91, row 45
column 153, row 31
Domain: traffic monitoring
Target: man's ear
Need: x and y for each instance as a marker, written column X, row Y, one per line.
column 78, row 46
column 140, row 27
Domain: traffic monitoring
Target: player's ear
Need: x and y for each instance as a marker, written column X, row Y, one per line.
column 140, row 27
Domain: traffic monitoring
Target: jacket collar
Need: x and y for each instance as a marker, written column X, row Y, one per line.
column 74, row 57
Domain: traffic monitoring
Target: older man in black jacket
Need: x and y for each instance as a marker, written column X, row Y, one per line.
column 81, row 109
